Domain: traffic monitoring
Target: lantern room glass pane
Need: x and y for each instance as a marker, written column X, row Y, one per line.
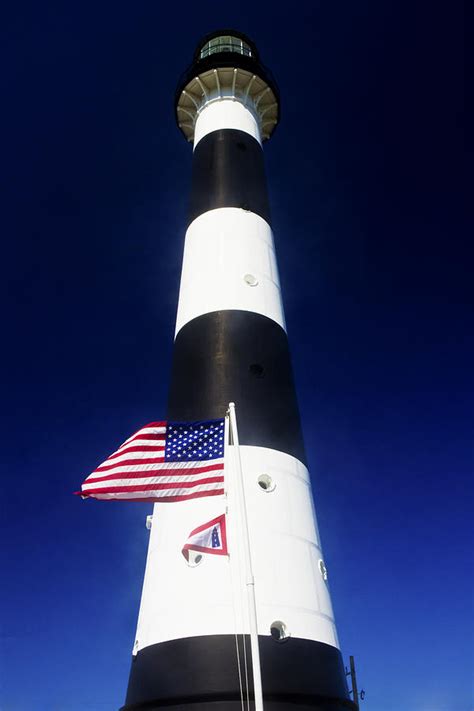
column 225, row 43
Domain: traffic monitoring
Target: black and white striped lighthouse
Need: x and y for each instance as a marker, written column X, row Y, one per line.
column 231, row 346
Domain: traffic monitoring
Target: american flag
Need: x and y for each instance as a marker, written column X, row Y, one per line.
column 163, row 461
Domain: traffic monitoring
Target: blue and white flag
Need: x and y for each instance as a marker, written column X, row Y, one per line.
column 210, row 538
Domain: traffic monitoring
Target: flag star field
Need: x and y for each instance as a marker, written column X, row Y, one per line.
column 199, row 440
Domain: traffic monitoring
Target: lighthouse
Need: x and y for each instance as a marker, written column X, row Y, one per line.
column 191, row 650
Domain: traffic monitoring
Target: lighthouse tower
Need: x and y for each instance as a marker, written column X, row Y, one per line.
column 191, row 648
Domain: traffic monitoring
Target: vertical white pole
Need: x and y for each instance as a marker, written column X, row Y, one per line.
column 249, row 579
column 226, row 441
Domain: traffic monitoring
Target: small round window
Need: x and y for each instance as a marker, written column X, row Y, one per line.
column 266, row 483
column 250, row 280
column 192, row 558
column 257, row 370
column 279, row 631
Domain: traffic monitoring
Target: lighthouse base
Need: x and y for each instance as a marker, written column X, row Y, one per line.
column 200, row 673
column 236, row 705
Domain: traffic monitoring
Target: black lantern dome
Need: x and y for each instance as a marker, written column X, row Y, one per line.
column 226, row 63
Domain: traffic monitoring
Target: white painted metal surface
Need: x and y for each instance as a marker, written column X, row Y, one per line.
column 226, row 113
column 180, row 601
column 225, row 83
column 223, row 248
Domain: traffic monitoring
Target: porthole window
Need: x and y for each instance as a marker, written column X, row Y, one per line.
column 192, row 558
column 279, row 631
column 266, row 483
column 323, row 569
column 250, row 280
column 257, row 370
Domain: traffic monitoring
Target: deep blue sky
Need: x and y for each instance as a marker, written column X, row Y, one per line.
column 364, row 177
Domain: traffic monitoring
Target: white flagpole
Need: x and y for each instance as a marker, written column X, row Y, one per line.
column 226, row 475
column 249, row 579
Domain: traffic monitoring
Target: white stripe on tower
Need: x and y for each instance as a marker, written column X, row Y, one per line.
column 231, row 345
column 229, row 263
column 219, row 114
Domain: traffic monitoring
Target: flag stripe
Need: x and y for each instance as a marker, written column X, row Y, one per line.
column 155, row 487
column 137, row 448
column 145, row 438
column 159, row 431
column 143, row 474
column 159, row 485
column 157, row 499
column 130, row 461
column 141, row 465
column 130, row 456
column 124, row 467
column 156, row 426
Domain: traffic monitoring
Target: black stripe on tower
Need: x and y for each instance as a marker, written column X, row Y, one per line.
column 228, row 171
column 200, row 673
column 241, row 357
